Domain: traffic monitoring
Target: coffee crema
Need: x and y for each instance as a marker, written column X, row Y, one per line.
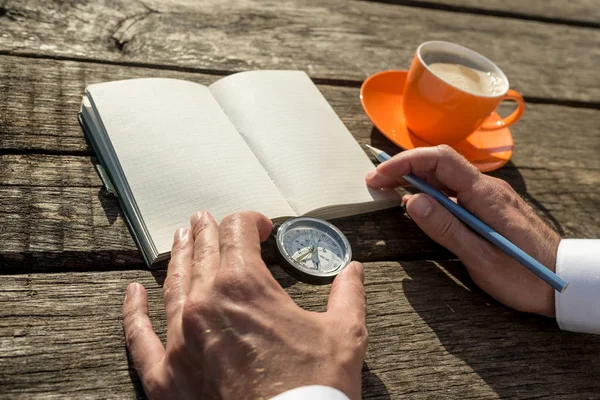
column 469, row 79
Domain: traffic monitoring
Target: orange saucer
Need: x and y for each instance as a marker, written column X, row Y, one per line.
column 381, row 97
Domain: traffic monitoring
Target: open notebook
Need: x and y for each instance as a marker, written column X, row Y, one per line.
column 262, row 140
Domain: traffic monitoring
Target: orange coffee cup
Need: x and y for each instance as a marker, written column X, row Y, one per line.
column 451, row 90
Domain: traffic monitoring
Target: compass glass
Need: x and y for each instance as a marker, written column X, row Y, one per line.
column 314, row 247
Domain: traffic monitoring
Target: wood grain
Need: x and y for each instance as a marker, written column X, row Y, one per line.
column 549, row 10
column 430, row 336
column 333, row 39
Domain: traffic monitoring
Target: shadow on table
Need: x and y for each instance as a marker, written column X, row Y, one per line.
column 109, row 204
column 372, row 386
column 509, row 172
column 135, row 380
column 516, row 354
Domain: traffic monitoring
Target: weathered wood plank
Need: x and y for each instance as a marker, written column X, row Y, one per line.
column 55, row 215
column 580, row 10
column 39, row 101
column 334, row 39
column 54, row 228
column 50, row 229
column 61, row 336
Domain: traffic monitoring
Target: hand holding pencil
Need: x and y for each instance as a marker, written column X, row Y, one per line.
column 495, row 203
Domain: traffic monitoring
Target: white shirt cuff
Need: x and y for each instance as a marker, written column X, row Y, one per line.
column 578, row 307
column 315, row 392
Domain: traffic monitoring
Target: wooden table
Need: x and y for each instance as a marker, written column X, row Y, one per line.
column 66, row 255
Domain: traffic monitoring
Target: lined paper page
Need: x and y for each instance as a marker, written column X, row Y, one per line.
column 180, row 154
column 312, row 157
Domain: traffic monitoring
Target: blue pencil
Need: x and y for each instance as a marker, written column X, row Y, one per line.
column 480, row 227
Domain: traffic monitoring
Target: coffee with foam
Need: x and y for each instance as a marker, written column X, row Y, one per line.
column 451, row 92
column 470, row 79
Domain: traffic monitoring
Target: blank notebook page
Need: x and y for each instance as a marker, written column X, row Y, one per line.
column 181, row 154
column 311, row 156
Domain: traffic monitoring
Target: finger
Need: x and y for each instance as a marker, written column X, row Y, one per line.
column 440, row 166
column 347, row 297
column 144, row 346
column 378, row 181
column 206, row 259
column 408, row 196
column 177, row 283
column 240, row 238
column 443, row 227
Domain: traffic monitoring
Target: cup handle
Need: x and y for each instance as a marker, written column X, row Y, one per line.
column 512, row 118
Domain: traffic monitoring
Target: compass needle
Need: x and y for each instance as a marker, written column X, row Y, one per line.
column 315, row 254
column 303, row 256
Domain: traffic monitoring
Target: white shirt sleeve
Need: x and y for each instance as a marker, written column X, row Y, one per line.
column 315, row 392
column 578, row 307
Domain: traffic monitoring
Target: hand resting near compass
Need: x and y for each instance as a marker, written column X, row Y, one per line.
column 232, row 331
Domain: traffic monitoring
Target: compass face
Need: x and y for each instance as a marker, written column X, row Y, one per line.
column 314, row 247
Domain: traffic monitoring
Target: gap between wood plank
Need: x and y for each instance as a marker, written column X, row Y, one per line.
column 491, row 13
column 594, row 105
column 67, row 262
column 44, row 152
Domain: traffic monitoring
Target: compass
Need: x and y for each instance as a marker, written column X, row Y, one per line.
column 312, row 250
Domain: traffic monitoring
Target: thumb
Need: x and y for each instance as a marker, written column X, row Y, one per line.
column 443, row 227
column 347, row 297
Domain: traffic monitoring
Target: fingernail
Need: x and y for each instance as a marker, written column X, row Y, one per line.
column 420, row 206
column 131, row 290
column 405, row 199
column 371, row 174
column 403, row 204
column 195, row 217
column 182, row 234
